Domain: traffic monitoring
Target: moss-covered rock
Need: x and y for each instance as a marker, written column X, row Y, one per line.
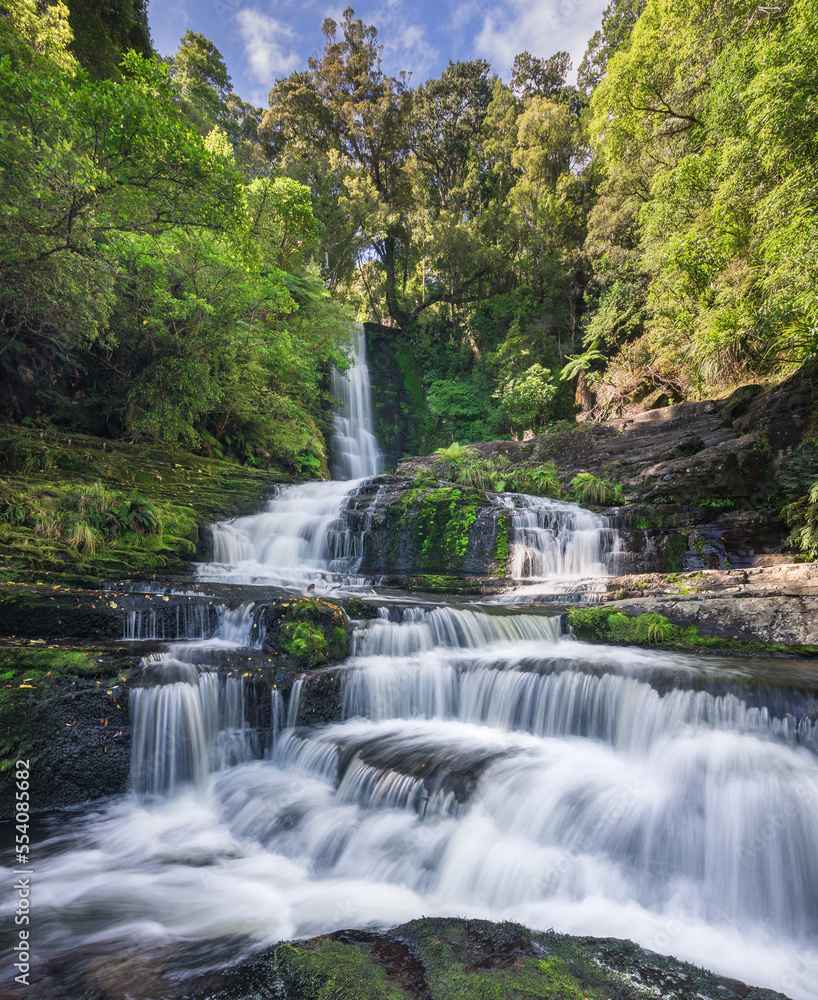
column 454, row 959
column 77, row 509
column 403, row 424
column 430, row 528
column 612, row 624
column 66, row 711
column 311, row 631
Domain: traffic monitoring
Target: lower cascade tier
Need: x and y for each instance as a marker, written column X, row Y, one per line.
column 472, row 761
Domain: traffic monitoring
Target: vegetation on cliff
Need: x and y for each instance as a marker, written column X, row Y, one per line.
column 81, row 508
column 150, row 287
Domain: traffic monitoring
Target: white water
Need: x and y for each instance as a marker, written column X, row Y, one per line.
column 301, row 538
column 483, row 767
column 354, row 448
column 556, row 548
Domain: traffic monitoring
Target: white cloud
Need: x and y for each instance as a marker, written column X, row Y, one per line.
column 541, row 27
column 268, row 46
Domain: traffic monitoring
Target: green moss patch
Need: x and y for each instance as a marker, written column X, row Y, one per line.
column 80, row 509
column 436, row 523
column 614, row 625
column 311, row 631
column 454, row 959
column 334, row 971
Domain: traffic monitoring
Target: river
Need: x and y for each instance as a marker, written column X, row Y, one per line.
column 485, row 765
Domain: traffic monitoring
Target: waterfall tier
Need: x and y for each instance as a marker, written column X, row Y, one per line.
column 354, row 447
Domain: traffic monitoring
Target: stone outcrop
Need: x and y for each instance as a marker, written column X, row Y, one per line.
column 432, row 529
column 447, row 958
column 771, row 605
column 736, row 448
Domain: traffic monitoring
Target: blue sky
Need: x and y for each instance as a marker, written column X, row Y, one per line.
column 263, row 40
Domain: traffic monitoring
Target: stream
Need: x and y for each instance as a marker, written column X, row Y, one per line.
column 485, row 764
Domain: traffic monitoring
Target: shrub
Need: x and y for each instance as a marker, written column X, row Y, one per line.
column 587, row 488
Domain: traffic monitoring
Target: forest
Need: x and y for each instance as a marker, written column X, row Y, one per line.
column 177, row 265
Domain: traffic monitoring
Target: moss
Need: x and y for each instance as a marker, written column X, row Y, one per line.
column 144, row 506
column 360, row 610
column 448, row 960
column 455, row 959
column 614, row 625
column 430, row 583
column 31, row 678
column 675, row 549
column 437, row 523
column 501, row 545
column 311, row 631
column 334, row 971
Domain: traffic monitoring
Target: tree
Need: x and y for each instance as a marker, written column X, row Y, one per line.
column 207, row 98
column 104, row 31
column 547, row 78
column 447, row 121
column 345, row 104
column 618, row 20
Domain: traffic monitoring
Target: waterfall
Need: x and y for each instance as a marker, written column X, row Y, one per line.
column 180, row 621
column 555, row 545
column 302, row 537
column 405, row 631
column 479, row 763
column 354, row 447
column 184, row 730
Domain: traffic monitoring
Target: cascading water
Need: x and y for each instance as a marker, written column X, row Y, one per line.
column 556, row 547
column 301, row 538
column 481, row 765
column 354, row 447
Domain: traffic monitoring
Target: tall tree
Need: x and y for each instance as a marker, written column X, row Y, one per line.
column 618, row 20
column 448, row 118
column 532, row 76
column 346, row 105
column 105, row 29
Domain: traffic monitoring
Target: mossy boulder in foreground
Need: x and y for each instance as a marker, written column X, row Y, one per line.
column 454, row 959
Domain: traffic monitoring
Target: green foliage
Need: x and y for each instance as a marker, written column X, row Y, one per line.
column 608, row 624
column 586, row 488
column 313, row 632
column 465, row 465
column 145, row 289
column 706, row 124
column 802, row 517
column 88, row 508
column 103, row 32
column 581, row 362
column 526, row 399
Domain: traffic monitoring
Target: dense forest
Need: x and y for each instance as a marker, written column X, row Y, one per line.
column 178, row 265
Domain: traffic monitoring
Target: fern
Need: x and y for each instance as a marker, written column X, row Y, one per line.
column 587, row 488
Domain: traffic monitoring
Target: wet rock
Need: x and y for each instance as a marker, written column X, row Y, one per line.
column 772, row 609
column 310, row 631
column 71, row 721
column 455, row 959
column 433, row 529
column 736, row 448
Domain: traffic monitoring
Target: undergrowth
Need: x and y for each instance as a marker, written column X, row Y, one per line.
column 613, row 625
column 81, row 509
column 464, row 465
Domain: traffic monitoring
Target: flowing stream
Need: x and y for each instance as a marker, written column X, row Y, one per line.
column 481, row 763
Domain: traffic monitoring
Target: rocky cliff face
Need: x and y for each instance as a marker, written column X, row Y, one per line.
column 439, row 528
column 733, row 449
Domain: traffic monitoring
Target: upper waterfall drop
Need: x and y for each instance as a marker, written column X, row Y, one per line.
column 354, row 448
column 301, row 539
